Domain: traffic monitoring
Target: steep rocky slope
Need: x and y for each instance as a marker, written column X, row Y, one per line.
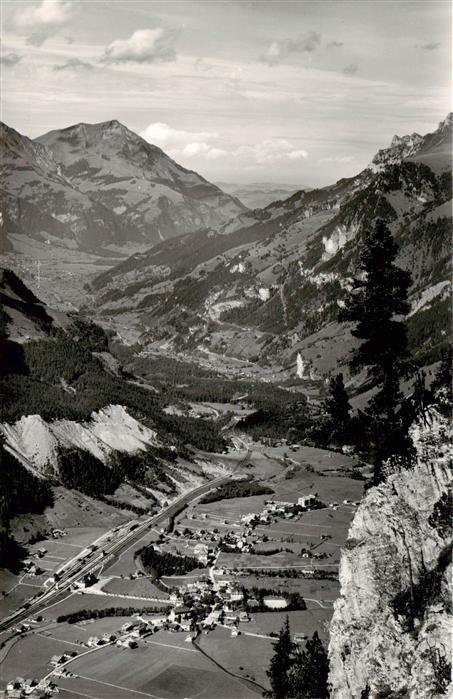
column 148, row 191
column 61, row 389
column 102, row 188
column 267, row 285
column 39, row 201
column 391, row 628
column 35, row 442
column 433, row 149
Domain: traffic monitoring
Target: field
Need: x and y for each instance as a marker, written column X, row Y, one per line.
column 16, row 593
column 164, row 666
column 291, row 473
column 29, row 657
column 128, row 563
column 308, row 621
column 77, row 601
column 139, row 587
column 289, row 552
column 246, row 655
column 312, row 590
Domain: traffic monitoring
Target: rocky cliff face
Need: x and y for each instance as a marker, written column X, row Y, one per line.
column 390, row 632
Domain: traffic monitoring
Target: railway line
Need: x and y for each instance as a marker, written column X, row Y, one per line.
column 113, row 546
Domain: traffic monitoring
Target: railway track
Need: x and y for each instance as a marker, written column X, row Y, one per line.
column 98, row 558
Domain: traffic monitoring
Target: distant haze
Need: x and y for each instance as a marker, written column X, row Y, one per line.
column 241, row 92
column 259, row 194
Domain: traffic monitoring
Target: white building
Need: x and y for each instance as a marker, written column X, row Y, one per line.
column 275, row 602
column 306, row 500
column 201, row 550
column 236, row 596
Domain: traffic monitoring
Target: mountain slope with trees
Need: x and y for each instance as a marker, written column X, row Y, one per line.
column 102, row 188
column 267, row 286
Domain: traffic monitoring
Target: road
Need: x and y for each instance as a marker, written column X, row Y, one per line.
column 114, row 543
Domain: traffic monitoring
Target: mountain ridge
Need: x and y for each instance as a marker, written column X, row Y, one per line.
column 264, row 283
column 94, row 186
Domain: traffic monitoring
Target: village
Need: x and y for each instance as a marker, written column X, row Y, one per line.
column 228, row 568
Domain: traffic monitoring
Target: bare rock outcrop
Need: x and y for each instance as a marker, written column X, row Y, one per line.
column 391, row 628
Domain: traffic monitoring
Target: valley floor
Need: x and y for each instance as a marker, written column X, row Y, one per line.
column 149, row 649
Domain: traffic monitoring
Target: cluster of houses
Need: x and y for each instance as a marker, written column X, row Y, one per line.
column 198, row 606
column 63, row 658
column 20, row 688
column 199, row 535
column 58, row 533
column 276, row 509
column 243, row 539
column 31, row 564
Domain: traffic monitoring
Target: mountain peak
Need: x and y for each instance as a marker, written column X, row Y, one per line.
column 416, row 147
column 138, row 186
column 447, row 123
column 91, row 133
column 409, row 141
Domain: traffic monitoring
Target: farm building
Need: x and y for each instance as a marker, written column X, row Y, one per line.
column 306, row 500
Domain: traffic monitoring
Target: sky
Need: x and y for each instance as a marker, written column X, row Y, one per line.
column 240, row 91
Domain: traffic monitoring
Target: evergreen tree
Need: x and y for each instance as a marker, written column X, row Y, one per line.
column 420, row 399
column 280, row 665
column 310, row 672
column 377, row 305
column 337, row 426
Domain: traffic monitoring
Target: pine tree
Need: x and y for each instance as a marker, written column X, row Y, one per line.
column 377, row 305
column 280, row 665
column 337, row 426
column 310, row 672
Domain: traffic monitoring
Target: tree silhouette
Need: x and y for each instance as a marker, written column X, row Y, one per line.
column 280, row 665
column 377, row 305
column 310, row 671
column 337, row 425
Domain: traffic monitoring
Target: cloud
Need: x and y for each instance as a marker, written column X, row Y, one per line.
column 216, row 153
column 38, row 38
column 343, row 159
column 74, row 64
column 351, row 69
column 268, row 152
column 334, row 45
column 271, row 151
column 278, row 51
column 430, row 46
column 204, row 144
column 179, row 143
column 201, row 66
column 45, row 19
column 164, row 135
column 143, row 46
column 10, row 59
